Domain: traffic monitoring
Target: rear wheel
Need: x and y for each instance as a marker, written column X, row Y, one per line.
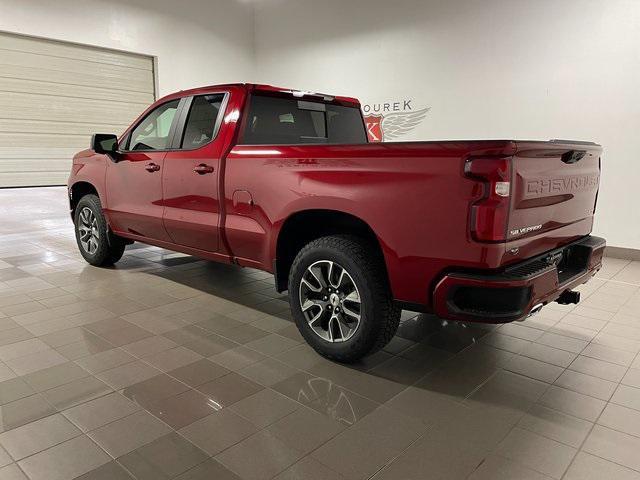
column 96, row 243
column 340, row 298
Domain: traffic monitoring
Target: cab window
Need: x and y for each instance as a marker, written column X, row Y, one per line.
column 274, row 120
column 152, row 133
column 200, row 127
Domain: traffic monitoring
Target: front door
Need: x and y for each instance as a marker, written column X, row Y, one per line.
column 190, row 175
column 134, row 179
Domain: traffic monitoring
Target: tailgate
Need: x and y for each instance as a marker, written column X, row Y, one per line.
column 554, row 190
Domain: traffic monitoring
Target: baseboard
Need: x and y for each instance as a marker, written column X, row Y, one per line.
column 623, row 253
column 32, row 186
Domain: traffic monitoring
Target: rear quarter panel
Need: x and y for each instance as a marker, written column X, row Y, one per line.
column 413, row 195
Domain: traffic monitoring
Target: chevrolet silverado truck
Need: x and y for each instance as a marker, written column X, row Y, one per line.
column 285, row 181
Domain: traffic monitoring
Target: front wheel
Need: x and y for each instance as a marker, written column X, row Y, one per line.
column 96, row 244
column 340, row 298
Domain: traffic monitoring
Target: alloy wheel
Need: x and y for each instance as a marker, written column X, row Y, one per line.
column 330, row 301
column 88, row 230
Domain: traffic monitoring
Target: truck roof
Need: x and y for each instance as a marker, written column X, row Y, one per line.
column 271, row 88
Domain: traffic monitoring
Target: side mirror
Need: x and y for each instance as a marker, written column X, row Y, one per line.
column 106, row 143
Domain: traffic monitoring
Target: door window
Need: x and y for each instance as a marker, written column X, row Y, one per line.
column 152, row 133
column 200, row 127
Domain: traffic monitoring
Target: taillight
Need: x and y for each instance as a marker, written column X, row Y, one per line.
column 490, row 214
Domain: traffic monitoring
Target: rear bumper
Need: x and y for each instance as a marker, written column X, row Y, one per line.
column 512, row 294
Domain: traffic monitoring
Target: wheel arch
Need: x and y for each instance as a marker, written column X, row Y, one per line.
column 304, row 226
column 78, row 190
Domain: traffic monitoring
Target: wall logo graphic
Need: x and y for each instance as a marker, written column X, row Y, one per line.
column 389, row 121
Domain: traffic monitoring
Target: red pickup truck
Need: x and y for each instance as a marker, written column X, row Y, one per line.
column 285, row 181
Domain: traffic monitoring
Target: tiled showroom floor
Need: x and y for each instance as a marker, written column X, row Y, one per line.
column 171, row 367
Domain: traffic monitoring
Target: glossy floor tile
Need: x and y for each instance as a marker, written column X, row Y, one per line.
column 169, row 367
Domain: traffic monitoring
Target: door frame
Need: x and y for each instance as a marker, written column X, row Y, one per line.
column 183, row 113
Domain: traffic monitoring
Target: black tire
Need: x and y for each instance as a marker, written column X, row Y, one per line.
column 107, row 248
column 379, row 314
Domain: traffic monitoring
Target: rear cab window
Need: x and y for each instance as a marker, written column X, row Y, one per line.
column 277, row 120
column 203, row 121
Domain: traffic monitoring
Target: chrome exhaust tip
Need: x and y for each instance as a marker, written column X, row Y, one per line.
column 535, row 310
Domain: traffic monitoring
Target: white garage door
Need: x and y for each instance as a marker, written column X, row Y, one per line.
column 54, row 95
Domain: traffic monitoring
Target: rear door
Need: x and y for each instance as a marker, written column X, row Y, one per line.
column 134, row 179
column 191, row 170
column 554, row 191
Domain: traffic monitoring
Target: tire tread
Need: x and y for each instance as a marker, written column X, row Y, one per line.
column 110, row 248
column 387, row 316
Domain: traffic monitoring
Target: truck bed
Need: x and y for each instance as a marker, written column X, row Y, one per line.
column 417, row 198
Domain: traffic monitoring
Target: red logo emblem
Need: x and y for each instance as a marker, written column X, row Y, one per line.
column 374, row 127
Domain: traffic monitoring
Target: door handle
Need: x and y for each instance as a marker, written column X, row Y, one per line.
column 152, row 167
column 203, row 168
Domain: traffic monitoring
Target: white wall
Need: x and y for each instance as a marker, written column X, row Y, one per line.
column 534, row 69
column 196, row 42
column 487, row 68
